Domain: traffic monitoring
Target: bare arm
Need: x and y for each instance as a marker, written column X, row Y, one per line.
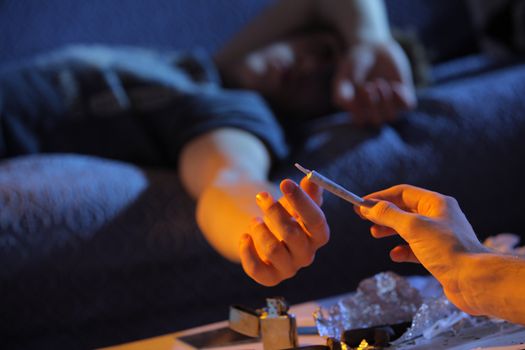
column 354, row 20
column 494, row 284
column 224, row 170
column 209, row 157
column 439, row 236
column 373, row 78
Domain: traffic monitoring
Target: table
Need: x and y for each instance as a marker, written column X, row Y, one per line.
column 512, row 339
column 303, row 313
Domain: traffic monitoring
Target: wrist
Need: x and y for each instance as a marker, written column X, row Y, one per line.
column 225, row 209
column 470, row 278
column 223, row 214
column 489, row 280
column 370, row 25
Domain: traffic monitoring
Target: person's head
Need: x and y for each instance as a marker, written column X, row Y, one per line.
column 294, row 75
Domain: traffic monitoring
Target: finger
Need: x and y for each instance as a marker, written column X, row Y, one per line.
column 403, row 253
column 387, row 214
column 361, row 107
column 287, row 207
column 379, row 231
column 406, row 197
column 253, row 265
column 358, row 212
column 358, row 63
column 286, row 228
column 370, row 103
column 313, row 190
column 359, row 115
column 404, row 96
column 344, row 97
column 271, row 250
column 387, row 106
column 310, row 215
column 351, row 71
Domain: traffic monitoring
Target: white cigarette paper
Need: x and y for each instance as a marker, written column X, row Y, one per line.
column 333, row 187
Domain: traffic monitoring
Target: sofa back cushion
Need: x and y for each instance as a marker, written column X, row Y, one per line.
column 30, row 27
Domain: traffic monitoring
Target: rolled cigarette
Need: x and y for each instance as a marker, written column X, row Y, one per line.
column 333, row 187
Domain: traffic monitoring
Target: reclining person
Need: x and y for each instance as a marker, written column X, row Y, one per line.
column 171, row 108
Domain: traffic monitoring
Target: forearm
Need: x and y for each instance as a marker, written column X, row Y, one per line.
column 275, row 22
column 218, row 153
column 225, row 210
column 224, row 170
column 494, row 285
column 354, row 20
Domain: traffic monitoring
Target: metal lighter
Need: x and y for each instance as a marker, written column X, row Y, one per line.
column 244, row 320
column 273, row 324
column 278, row 328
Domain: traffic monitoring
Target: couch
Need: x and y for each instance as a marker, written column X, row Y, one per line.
column 95, row 252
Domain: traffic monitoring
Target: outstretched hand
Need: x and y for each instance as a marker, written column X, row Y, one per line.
column 288, row 236
column 373, row 81
column 436, row 230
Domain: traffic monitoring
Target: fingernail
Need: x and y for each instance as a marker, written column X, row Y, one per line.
column 262, row 197
column 364, row 210
column 288, row 187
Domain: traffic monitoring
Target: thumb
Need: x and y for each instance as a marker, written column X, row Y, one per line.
column 345, row 89
column 344, row 93
column 352, row 70
column 388, row 214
